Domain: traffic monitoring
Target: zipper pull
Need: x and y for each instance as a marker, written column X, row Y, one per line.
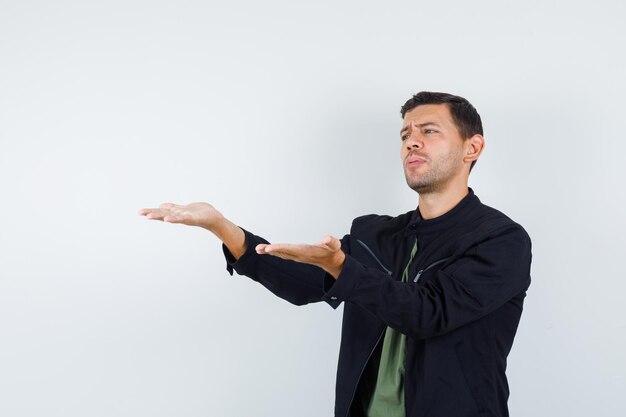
column 418, row 275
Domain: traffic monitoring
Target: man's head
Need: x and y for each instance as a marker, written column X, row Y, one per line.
column 441, row 140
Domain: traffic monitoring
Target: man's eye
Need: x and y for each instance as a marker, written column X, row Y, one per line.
column 430, row 131
column 404, row 137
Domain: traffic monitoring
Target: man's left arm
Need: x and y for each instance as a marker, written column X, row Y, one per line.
column 489, row 274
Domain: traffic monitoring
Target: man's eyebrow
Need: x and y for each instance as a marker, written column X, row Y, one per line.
column 405, row 128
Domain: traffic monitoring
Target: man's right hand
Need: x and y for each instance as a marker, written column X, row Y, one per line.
column 194, row 214
column 202, row 215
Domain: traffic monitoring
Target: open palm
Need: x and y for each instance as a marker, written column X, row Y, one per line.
column 194, row 214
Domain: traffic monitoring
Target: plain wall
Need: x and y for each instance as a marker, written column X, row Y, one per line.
column 285, row 116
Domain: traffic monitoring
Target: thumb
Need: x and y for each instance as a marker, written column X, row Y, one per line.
column 331, row 243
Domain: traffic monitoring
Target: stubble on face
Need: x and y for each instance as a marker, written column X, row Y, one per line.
column 435, row 174
column 432, row 137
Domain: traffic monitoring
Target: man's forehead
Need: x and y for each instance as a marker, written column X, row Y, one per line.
column 425, row 113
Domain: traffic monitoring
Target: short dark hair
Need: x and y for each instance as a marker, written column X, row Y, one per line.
column 464, row 115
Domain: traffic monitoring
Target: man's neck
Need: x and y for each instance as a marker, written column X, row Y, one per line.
column 437, row 203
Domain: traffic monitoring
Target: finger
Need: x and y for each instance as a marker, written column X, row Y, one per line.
column 326, row 240
column 282, row 250
column 167, row 205
column 283, row 255
column 156, row 214
column 335, row 244
column 172, row 219
column 331, row 243
column 268, row 248
column 286, row 248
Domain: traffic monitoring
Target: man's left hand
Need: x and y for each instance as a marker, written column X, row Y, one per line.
column 326, row 254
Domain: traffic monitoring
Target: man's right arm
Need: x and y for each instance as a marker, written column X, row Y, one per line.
column 232, row 236
column 202, row 215
column 296, row 282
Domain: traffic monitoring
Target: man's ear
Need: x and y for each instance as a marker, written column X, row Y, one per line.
column 473, row 148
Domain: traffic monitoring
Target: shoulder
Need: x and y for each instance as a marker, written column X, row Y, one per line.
column 381, row 221
column 489, row 221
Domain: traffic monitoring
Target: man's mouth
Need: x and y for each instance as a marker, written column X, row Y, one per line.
column 414, row 161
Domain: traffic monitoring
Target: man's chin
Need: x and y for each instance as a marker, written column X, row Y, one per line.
column 421, row 187
column 418, row 187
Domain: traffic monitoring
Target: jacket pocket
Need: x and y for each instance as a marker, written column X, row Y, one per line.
column 421, row 271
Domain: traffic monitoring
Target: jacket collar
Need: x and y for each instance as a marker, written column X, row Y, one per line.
column 445, row 221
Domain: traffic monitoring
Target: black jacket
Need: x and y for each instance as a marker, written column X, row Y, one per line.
column 460, row 309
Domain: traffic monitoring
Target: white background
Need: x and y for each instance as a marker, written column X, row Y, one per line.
column 285, row 116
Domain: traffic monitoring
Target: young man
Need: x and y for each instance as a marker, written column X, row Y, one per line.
column 432, row 298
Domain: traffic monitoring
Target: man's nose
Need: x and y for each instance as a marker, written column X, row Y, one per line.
column 414, row 140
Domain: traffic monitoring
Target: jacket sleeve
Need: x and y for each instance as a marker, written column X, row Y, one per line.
column 296, row 282
column 486, row 276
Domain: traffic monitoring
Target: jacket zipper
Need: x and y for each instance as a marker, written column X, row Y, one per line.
column 380, row 336
column 374, row 256
column 421, row 271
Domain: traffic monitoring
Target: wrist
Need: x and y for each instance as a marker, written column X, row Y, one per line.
column 337, row 264
column 231, row 235
column 218, row 226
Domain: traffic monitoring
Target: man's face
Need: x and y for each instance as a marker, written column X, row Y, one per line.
column 432, row 148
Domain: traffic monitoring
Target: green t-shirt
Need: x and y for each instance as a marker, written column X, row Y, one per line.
column 387, row 398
